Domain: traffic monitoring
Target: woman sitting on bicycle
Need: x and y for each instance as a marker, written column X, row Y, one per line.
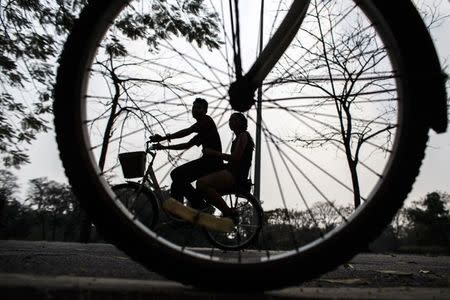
column 226, row 181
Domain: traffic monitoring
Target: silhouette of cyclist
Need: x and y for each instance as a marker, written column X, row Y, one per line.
column 208, row 137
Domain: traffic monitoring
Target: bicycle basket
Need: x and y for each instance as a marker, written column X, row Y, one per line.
column 133, row 164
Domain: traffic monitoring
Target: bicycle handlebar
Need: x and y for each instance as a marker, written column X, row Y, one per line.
column 151, row 146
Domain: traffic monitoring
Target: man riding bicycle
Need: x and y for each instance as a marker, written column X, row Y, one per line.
column 208, row 137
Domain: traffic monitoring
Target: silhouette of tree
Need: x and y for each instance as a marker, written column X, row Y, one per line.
column 347, row 68
column 431, row 220
column 31, row 35
column 8, row 185
column 14, row 218
column 52, row 201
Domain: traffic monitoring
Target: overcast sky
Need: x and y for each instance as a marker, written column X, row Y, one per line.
column 434, row 175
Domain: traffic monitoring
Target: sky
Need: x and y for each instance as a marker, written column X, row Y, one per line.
column 434, row 174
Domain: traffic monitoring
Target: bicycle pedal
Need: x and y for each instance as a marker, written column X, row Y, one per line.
column 197, row 217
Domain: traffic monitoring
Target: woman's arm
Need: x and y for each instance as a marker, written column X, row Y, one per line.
column 236, row 155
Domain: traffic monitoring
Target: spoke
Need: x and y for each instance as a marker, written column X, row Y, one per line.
column 212, row 70
column 143, row 128
column 281, row 154
column 275, row 18
column 280, row 189
column 305, row 112
column 329, row 97
column 318, row 78
column 323, row 103
column 235, row 33
column 335, row 143
column 226, row 38
column 230, row 68
column 325, row 34
column 191, row 58
column 292, row 112
column 267, row 132
column 184, row 57
column 310, row 161
column 343, row 151
column 315, row 44
column 180, row 71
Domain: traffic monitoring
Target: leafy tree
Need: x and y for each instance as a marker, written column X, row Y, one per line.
column 431, row 220
column 32, row 33
column 8, row 186
column 14, row 218
column 52, row 201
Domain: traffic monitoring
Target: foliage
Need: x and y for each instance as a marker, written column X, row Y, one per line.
column 431, row 220
column 8, row 184
column 32, row 34
column 14, row 218
column 51, row 212
column 54, row 205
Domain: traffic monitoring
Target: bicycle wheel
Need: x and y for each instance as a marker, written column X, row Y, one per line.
column 139, row 201
column 339, row 120
column 248, row 225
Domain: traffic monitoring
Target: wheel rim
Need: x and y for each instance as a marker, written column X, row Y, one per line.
column 306, row 114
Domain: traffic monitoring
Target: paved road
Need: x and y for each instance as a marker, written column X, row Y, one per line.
column 99, row 267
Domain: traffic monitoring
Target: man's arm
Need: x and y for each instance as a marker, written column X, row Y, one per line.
column 181, row 146
column 177, row 135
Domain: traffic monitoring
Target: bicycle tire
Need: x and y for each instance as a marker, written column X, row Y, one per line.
column 233, row 241
column 146, row 248
column 147, row 210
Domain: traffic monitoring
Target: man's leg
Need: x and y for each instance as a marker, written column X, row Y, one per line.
column 183, row 175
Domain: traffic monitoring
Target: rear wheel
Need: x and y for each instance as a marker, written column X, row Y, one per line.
column 247, row 226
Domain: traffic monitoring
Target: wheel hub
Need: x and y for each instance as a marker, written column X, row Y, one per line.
column 242, row 95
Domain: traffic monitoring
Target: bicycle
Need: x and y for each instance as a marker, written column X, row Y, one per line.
column 339, row 90
column 145, row 199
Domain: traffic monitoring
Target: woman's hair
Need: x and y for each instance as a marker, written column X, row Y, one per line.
column 243, row 125
column 242, row 120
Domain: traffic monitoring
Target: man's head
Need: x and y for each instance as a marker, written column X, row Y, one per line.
column 200, row 108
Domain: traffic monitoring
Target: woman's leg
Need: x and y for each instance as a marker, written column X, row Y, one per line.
column 213, row 185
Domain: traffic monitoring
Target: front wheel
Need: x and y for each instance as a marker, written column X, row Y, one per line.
column 342, row 126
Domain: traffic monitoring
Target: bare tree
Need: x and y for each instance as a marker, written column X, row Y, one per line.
column 347, row 69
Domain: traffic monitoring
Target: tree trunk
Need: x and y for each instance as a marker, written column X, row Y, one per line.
column 355, row 182
column 85, row 228
column 54, row 228
column 2, row 208
column 44, row 236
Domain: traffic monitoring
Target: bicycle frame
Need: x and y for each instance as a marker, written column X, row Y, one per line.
column 278, row 43
column 150, row 174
